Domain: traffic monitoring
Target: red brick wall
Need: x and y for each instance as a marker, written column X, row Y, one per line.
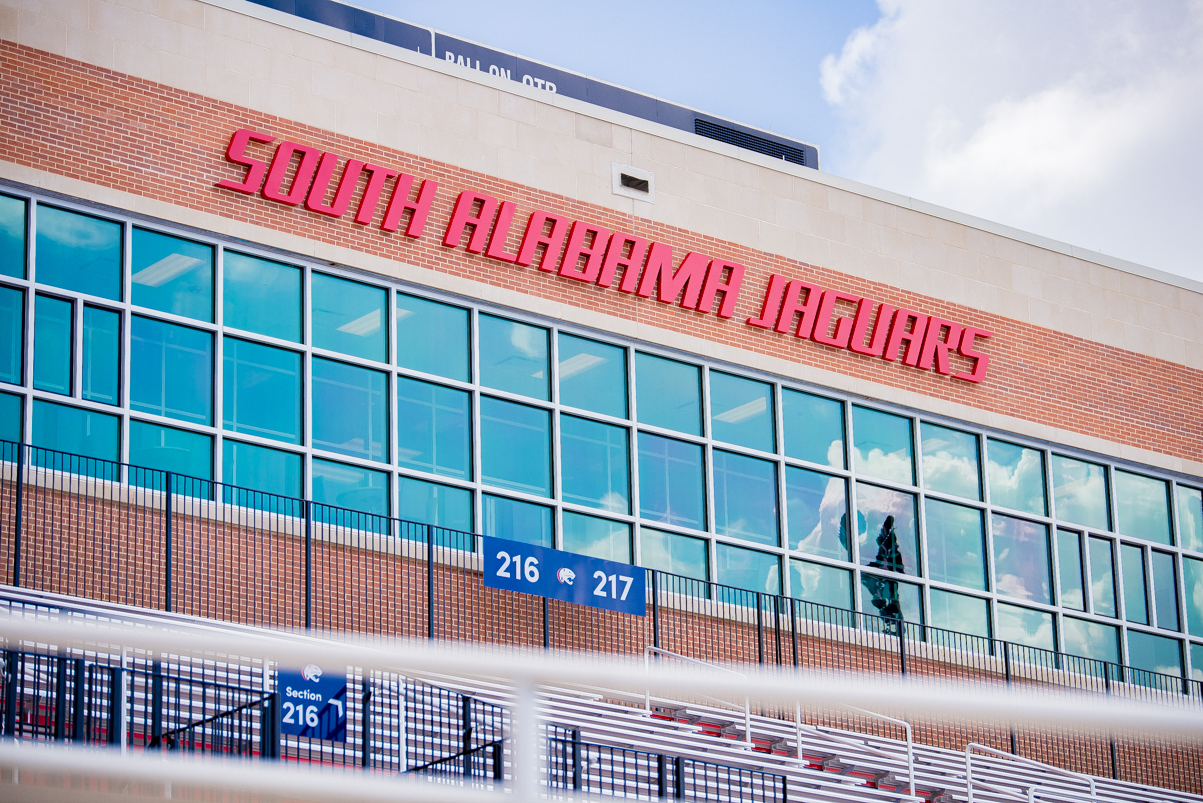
column 77, row 120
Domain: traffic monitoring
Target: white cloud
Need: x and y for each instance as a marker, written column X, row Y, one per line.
column 1076, row 120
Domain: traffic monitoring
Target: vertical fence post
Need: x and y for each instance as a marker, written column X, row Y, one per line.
column 578, row 761
column 1111, row 736
column 17, row 515
column 655, row 608
column 365, row 760
column 466, row 733
column 429, row 582
column 498, row 770
column 12, row 673
column 116, row 703
column 308, row 565
column 167, row 549
column 77, row 712
column 661, row 775
column 546, row 623
column 793, row 627
column 1006, row 647
column 60, row 698
column 156, row 706
column 270, row 726
column 678, row 777
column 759, row 627
column 901, row 644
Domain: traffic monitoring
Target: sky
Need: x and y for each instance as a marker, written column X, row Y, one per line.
column 1079, row 120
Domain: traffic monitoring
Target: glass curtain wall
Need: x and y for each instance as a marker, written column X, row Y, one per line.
column 129, row 341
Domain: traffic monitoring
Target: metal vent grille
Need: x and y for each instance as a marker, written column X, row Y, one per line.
column 749, row 141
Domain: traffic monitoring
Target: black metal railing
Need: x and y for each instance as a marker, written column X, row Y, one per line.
column 590, row 768
column 164, row 541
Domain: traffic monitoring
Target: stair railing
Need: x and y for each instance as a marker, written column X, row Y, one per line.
column 969, row 748
column 747, row 706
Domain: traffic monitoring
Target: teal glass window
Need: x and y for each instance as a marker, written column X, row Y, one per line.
column 676, row 554
column 514, row 357
column 1016, row 476
column 1080, row 492
column 821, row 584
column 593, row 376
column 950, row 462
column 1025, row 626
column 261, row 296
column 102, row 356
column 883, row 446
column 78, row 432
column 11, row 420
column 1165, row 590
column 960, row 612
column 1154, row 654
column 515, row 446
column 1190, row 513
column 518, row 521
column 745, row 498
column 749, row 569
column 1142, row 507
column 363, row 490
column 891, row 599
column 813, row 428
column 672, row 482
column 955, row 544
column 1192, row 582
column 172, row 275
column 1069, row 561
column 171, row 370
column 350, row 410
column 79, row 252
column 160, row 449
column 433, row 338
column 348, row 317
column 598, row 538
column 594, row 460
column 1091, row 639
column 1132, row 562
column 261, row 392
column 741, row 412
column 1196, row 661
column 433, row 503
column 817, row 510
column 53, row 344
column 434, row 428
column 668, row 394
column 259, row 468
column 1021, row 559
column 888, row 531
column 1102, row 576
column 12, row 236
column 12, row 335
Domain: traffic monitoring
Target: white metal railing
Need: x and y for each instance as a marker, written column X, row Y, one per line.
column 969, row 748
column 747, row 706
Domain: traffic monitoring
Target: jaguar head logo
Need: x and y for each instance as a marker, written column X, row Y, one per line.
column 566, row 575
column 311, row 672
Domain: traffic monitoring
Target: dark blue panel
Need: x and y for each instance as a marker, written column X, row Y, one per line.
column 621, row 100
column 598, row 583
column 475, row 56
column 674, row 116
column 565, row 83
column 287, row 6
column 336, row 15
column 402, row 34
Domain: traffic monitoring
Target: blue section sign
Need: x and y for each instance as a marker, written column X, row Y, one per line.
column 313, row 705
column 566, row 576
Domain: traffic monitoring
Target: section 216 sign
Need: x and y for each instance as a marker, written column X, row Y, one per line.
column 566, row 576
column 313, row 704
